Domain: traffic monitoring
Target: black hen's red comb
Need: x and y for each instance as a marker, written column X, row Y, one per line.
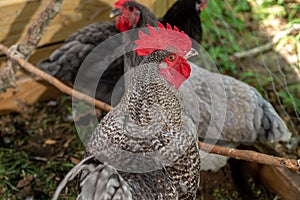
column 120, row 3
column 163, row 38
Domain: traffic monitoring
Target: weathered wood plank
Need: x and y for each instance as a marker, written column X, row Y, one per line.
column 17, row 15
column 29, row 91
column 281, row 181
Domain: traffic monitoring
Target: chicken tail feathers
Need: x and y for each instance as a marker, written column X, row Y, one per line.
column 98, row 181
column 272, row 127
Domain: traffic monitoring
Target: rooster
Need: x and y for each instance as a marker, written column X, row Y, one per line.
column 146, row 147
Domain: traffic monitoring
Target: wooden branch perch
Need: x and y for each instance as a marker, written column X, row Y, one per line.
column 256, row 50
column 35, row 31
column 251, row 156
column 53, row 81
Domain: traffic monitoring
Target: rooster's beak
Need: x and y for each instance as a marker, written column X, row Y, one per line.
column 115, row 12
column 192, row 52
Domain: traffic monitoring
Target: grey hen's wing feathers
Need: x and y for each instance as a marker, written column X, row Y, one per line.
column 231, row 112
column 248, row 116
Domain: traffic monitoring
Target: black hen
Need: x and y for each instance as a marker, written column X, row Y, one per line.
column 65, row 62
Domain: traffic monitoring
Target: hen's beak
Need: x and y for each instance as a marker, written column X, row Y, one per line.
column 192, row 52
column 115, row 12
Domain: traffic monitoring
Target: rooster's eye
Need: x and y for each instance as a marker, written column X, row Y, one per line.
column 171, row 57
column 130, row 8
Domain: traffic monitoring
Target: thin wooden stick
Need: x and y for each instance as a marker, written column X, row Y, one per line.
column 251, row 156
column 53, row 81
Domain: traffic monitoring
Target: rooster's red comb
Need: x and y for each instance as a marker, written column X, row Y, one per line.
column 163, row 38
column 119, row 3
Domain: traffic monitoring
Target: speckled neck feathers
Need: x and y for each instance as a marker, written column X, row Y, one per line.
column 147, row 100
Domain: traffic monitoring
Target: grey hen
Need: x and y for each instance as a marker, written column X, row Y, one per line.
column 231, row 112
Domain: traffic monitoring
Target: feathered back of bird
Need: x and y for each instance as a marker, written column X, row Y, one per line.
column 185, row 15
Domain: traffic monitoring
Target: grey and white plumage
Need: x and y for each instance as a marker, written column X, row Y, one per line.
column 108, row 179
column 146, row 145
